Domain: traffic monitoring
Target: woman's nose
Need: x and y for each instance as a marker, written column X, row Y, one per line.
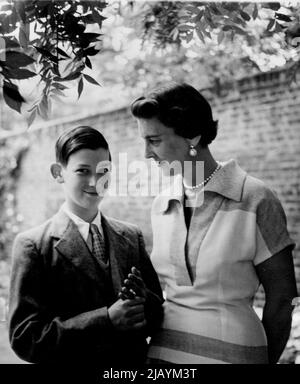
column 148, row 152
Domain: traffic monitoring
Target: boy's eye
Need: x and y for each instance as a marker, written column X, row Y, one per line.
column 82, row 171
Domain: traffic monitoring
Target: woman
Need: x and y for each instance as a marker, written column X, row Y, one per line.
column 213, row 243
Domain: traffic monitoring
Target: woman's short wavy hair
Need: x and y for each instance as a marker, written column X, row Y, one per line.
column 181, row 107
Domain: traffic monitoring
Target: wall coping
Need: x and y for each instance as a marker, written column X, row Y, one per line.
column 255, row 79
column 276, row 75
column 64, row 120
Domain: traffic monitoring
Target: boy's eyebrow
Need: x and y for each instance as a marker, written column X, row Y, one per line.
column 82, row 165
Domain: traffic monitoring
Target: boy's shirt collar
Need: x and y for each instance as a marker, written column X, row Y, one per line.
column 83, row 226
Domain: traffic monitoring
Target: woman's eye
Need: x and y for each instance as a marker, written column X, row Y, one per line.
column 154, row 142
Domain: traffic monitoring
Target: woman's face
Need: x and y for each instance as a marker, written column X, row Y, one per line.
column 162, row 144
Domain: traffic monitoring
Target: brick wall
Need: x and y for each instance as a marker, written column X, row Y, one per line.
column 259, row 125
column 259, row 119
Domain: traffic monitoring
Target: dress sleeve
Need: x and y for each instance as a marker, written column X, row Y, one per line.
column 272, row 235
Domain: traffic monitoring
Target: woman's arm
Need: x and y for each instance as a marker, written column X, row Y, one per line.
column 277, row 277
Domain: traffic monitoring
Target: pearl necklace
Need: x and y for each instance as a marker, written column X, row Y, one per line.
column 192, row 187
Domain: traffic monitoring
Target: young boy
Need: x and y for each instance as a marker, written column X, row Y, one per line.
column 82, row 287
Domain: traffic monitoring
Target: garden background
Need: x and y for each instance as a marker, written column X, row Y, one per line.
column 253, row 88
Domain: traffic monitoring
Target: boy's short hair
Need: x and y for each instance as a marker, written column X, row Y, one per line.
column 82, row 137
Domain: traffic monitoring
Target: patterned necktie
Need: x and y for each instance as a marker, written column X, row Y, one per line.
column 98, row 243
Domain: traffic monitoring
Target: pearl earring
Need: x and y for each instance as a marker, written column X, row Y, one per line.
column 192, row 151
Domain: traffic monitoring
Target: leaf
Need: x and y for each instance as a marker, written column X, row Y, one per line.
column 47, row 54
column 23, row 38
column 62, row 53
column 210, row 22
column 174, row 33
column 273, row 6
column 238, row 20
column 206, row 33
column 278, row 27
column 58, row 92
column 198, row 17
column 12, row 96
column 184, row 27
column 62, row 87
column 232, row 36
column 55, row 70
column 10, row 43
column 91, row 51
column 271, row 24
column 100, row 5
column 213, row 8
column 32, row 108
column 20, row 74
column 71, row 76
column 43, row 108
column 221, row 36
column 90, row 79
column 189, row 37
column 88, row 19
column 91, row 37
column 239, row 30
column 227, row 28
column 245, row 16
column 282, row 17
column 98, row 18
column 88, row 62
column 255, row 12
column 231, row 6
column 80, row 87
column 18, row 59
column 32, row 117
column 200, row 35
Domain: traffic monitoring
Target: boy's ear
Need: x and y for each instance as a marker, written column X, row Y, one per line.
column 56, row 172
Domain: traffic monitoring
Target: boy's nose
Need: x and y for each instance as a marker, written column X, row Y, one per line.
column 93, row 181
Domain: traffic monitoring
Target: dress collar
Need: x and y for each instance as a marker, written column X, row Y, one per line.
column 228, row 182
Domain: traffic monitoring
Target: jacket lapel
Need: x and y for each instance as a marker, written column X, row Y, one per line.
column 115, row 238
column 72, row 246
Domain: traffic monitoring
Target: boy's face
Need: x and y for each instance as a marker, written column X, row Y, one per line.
column 80, row 177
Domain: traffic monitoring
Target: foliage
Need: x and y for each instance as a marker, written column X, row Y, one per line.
column 11, row 154
column 177, row 22
column 134, row 68
column 252, row 24
column 54, row 42
column 50, row 39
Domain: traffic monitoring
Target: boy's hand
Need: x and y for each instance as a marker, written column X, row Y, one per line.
column 134, row 286
column 128, row 315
